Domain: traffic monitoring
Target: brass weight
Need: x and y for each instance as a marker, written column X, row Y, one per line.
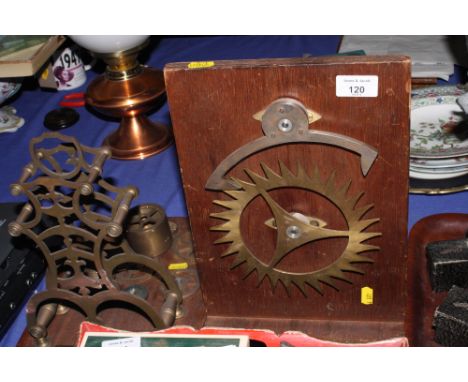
column 148, row 230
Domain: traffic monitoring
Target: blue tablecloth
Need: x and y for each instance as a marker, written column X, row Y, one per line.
column 157, row 177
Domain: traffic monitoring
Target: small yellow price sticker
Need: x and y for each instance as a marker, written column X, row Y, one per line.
column 45, row 74
column 200, row 64
column 367, row 296
column 177, row 266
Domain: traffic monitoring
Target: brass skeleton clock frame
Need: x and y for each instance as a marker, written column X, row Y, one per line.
column 86, row 256
column 286, row 121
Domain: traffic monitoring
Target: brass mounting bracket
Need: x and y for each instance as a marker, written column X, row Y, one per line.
column 284, row 121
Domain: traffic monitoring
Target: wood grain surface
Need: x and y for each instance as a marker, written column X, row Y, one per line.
column 212, row 109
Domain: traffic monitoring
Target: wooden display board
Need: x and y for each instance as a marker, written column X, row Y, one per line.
column 357, row 130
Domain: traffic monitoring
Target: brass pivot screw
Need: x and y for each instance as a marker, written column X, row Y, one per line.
column 293, row 232
column 285, row 125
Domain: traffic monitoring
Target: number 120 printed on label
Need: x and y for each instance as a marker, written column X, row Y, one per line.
column 357, row 86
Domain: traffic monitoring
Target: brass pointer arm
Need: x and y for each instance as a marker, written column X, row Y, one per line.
column 292, row 232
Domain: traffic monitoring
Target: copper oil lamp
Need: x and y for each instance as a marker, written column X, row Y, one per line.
column 127, row 90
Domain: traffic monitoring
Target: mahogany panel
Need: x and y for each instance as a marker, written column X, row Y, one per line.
column 212, row 112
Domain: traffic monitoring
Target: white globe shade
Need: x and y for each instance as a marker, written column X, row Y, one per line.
column 108, row 43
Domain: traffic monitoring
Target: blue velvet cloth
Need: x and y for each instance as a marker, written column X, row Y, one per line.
column 157, row 177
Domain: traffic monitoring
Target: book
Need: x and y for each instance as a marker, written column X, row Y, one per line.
column 102, row 339
column 27, row 62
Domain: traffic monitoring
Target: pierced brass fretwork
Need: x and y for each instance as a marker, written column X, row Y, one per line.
column 82, row 244
column 295, row 230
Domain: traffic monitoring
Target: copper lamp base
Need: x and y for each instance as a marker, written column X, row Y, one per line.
column 130, row 97
column 138, row 138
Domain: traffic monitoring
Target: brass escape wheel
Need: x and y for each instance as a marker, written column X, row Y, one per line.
column 293, row 231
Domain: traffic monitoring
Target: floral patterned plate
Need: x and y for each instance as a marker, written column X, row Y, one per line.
column 439, row 163
column 434, row 121
column 439, row 170
column 423, row 175
column 437, row 91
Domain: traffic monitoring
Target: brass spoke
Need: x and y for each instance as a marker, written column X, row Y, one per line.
column 295, row 229
column 286, row 224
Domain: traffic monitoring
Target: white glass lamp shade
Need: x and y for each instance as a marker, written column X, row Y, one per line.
column 108, row 43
